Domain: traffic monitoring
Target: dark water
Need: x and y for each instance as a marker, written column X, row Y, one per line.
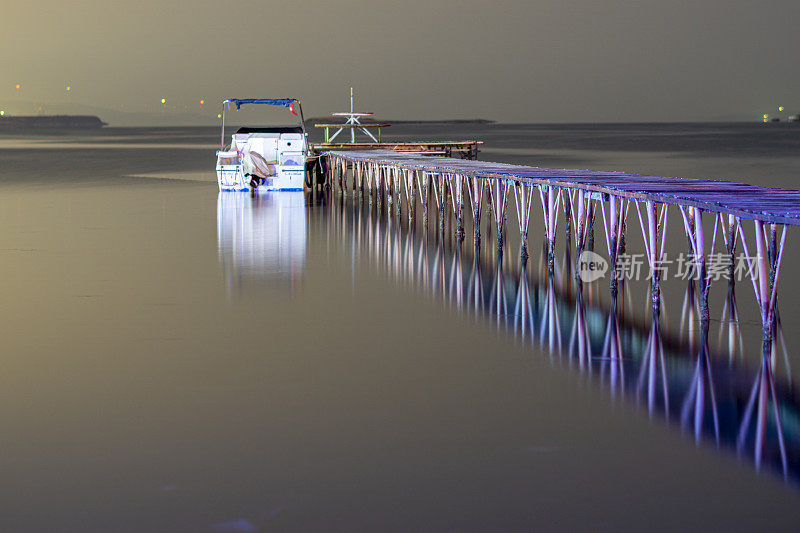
column 177, row 359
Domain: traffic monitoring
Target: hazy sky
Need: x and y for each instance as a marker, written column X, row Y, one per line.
column 581, row 60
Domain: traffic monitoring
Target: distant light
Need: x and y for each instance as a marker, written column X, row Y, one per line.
column 69, row 88
column 18, row 86
column 2, row 113
column 780, row 108
column 202, row 102
column 766, row 116
column 219, row 115
column 163, row 100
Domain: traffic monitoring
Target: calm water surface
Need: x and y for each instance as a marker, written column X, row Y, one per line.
column 177, row 359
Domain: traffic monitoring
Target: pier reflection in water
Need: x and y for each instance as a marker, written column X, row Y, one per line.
column 695, row 376
column 262, row 239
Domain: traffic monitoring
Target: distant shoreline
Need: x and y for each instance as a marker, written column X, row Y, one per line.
column 368, row 120
column 39, row 122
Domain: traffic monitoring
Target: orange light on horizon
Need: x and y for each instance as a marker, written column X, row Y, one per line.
column 163, row 100
column 69, row 88
column 202, row 102
column 18, row 86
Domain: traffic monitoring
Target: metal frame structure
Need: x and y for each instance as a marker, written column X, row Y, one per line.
column 352, row 123
column 226, row 104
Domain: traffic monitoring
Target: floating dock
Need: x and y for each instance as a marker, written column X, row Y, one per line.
column 406, row 179
column 353, row 124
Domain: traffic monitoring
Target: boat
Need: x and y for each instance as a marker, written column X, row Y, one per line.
column 263, row 158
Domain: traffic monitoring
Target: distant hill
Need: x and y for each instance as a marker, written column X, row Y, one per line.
column 115, row 117
column 50, row 122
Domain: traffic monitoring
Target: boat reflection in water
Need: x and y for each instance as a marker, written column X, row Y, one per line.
column 717, row 396
column 261, row 239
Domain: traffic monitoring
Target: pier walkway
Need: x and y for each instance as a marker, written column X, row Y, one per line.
column 748, row 202
column 407, row 179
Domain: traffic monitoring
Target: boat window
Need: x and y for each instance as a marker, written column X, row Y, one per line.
column 232, row 160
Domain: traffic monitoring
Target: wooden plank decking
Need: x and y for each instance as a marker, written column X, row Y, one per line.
column 463, row 149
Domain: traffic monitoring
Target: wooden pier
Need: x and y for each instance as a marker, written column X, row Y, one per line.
column 459, row 149
column 407, row 179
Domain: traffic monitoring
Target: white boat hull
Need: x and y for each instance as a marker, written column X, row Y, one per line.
column 285, row 179
column 263, row 160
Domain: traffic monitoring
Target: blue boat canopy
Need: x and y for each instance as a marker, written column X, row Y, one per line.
column 285, row 102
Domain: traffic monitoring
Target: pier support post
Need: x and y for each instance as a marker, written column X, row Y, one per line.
column 396, row 190
column 475, row 192
column 613, row 228
column 705, row 281
column 765, row 276
column 773, row 249
column 498, row 196
column 730, row 234
column 523, row 194
column 693, row 223
column 369, row 176
column 568, row 220
column 363, row 185
column 379, row 176
column 342, row 174
column 581, row 212
column 654, row 247
column 550, row 200
column 387, row 188
column 424, row 190
column 439, row 192
column 410, row 181
column 325, row 167
column 457, row 196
